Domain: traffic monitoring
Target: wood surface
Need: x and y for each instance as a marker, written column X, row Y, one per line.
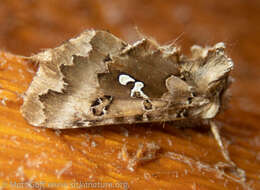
column 182, row 158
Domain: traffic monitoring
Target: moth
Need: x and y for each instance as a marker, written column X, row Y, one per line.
column 98, row 79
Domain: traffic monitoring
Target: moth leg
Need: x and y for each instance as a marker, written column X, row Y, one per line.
column 215, row 131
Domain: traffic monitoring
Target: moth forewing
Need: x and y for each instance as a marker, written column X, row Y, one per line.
column 74, row 79
column 98, row 79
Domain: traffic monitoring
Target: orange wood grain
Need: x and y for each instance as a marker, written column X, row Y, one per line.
column 187, row 157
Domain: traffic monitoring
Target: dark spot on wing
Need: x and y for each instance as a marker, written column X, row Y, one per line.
column 139, row 117
column 119, row 119
column 100, row 105
column 147, row 105
column 189, row 100
column 182, row 113
column 107, row 58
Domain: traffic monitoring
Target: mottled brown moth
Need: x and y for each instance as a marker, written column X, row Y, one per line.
column 98, row 79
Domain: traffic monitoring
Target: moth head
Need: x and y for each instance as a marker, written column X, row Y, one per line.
column 207, row 74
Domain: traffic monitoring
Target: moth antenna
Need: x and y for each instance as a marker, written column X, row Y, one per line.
column 215, row 131
column 139, row 33
column 143, row 36
column 178, row 37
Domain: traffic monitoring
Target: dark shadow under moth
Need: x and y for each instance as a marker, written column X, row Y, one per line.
column 98, row 79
